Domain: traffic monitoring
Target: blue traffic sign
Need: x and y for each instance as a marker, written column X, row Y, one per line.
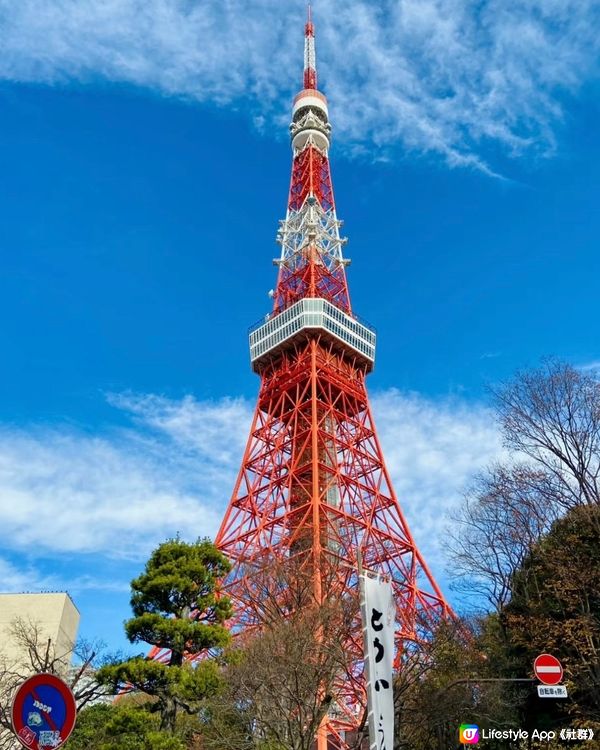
column 43, row 712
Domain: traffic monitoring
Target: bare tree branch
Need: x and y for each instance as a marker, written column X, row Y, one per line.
column 552, row 415
column 504, row 513
column 34, row 653
column 286, row 674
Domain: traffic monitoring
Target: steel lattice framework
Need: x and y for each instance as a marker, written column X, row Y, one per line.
column 313, row 482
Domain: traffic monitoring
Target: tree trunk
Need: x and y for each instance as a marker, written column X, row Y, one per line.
column 168, row 713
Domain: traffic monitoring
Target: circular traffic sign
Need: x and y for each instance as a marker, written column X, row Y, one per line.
column 548, row 669
column 43, row 712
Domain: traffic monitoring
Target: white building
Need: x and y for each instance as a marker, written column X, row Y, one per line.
column 55, row 617
column 46, row 621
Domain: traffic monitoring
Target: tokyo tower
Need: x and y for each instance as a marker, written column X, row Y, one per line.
column 313, row 482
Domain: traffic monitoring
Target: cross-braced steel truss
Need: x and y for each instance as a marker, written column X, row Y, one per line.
column 313, row 485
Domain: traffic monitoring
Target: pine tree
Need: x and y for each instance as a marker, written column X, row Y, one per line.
column 176, row 606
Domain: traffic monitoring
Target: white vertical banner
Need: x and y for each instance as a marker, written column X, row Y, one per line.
column 379, row 621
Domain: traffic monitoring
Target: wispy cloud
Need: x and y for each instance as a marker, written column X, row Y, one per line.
column 118, row 494
column 18, row 578
column 440, row 76
column 433, row 449
column 593, row 366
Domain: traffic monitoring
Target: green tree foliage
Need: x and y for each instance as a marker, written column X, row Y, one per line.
column 528, row 539
column 122, row 727
column 555, row 608
column 177, row 606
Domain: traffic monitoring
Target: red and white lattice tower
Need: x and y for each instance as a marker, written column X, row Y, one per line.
column 313, row 482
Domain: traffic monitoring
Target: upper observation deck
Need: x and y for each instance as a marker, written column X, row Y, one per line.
column 279, row 331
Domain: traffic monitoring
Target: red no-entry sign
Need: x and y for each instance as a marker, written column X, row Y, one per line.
column 548, row 669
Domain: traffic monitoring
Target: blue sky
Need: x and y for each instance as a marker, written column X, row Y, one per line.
column 144, row 165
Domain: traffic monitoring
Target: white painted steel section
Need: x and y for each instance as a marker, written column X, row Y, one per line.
column 310, row 56
column 315, row 137
column 313, row 313
column 311, row 225
column 308, row 99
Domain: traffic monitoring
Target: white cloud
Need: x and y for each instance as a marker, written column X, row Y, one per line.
column 16, row 579
column 211, row 429
column 432, row 450
column 65, row 491
column 442, row 76
column 591, row 367
column 118, row 494
column 20, row 576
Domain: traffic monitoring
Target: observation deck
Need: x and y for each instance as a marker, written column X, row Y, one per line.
column 280, row 330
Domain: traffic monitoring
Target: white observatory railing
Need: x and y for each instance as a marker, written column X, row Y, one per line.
column 312, row 313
